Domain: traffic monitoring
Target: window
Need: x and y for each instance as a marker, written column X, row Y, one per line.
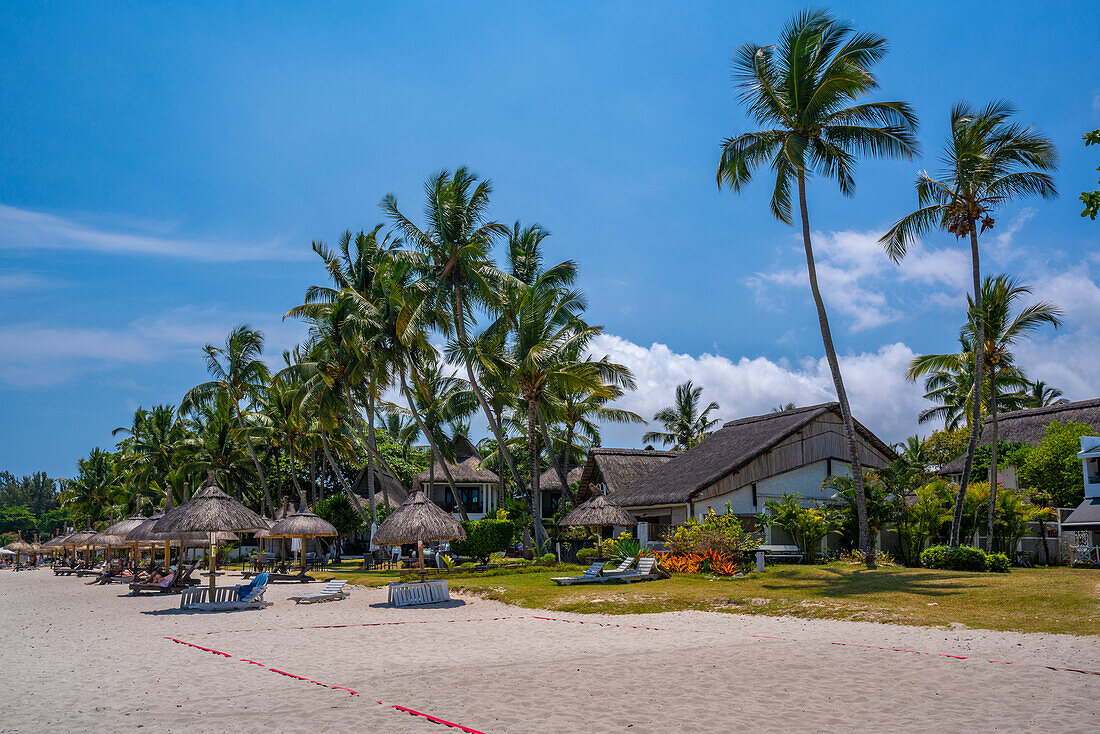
column 471, row 499
column 550, row 503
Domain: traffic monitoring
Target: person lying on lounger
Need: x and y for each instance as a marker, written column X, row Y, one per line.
column 103, row 578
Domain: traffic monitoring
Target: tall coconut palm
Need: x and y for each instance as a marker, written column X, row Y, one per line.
column 453, row 257
column 240, row 374
column 401, row 428
column 685, row 424
column 440, row 399
column 212, row 443
column 989, row 160
column 148, row 450
column 95, row 488
column 1001, row 331
column 805, row 90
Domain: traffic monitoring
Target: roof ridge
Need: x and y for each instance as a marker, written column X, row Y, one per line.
column 779, row 414
column 632, row 452
column 1046, row 409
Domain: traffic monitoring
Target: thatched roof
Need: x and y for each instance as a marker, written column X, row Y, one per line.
column 618, row 469
column 102, row 540
column 55, row 541
column 549, row 479
column 418, row 519
column 21, row 546
column 301, row 524
column 208, row 511
column 79, row 538
column 386, row 486
column 724, row 452
column 465, row 472
column 599, row 512
column 1029, row 426
column 122, row 527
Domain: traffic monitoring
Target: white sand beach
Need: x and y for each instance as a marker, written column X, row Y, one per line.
column 87, row 658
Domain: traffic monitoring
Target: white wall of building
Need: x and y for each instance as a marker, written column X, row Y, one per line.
column 804, row 481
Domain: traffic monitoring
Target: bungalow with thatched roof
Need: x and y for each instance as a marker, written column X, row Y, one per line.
column 387, row 488
column 551, row 491
column 1026, row 426
column 747, row 462
column 476, row 486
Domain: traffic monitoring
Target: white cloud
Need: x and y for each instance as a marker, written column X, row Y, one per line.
column 859, row 282
column 881, row 398
column 40, row 355
column 25, row 229
column 19, row 280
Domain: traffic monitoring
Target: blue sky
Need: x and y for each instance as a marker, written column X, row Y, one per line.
column 164, row 168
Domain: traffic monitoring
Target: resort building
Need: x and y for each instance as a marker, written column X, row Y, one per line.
column 745, row 463
column 1085, row 518
column 550, row 489
column 1026, row 426
column 477, row 487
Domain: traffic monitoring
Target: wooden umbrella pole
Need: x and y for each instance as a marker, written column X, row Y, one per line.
column 213, row 562
column 420, row 551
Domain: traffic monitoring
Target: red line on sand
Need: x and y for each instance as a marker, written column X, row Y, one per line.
column 843, row 644
column 413, row 712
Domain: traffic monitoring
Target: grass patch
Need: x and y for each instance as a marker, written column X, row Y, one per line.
column 1060, row 600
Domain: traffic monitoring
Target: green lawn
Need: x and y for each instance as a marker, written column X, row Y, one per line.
column 1062, row 600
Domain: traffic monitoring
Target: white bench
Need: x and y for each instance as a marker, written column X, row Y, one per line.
column 225, row 598
column 426, row 592
column 787, row 552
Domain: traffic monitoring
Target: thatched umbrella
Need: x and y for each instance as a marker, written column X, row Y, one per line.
column 302, row 524
column 20, row 547
column 78, row 540
column 210, row 511
column 122, row 527
column 598, row 512
column 418, row 520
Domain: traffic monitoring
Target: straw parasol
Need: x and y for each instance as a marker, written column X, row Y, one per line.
column 598, row 512
column 210, row 511
column 122, row 527
column 78, row 539
column 20, row 547
column 418, row 520
column 302, row 524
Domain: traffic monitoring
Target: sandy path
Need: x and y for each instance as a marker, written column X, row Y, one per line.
column 85, row 658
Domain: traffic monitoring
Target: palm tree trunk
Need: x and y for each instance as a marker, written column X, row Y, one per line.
column 567, row 491
column 313, row 472
column 460, row 327
column 567, row 455
column 294, row 479
column 256, row 461
column 993, row 461
column 500, row 463
column 436, row 455
column 976, row 399
column 838, row 381
column 371, row 436
column 534, row 502
column 352, row 497
column 370, row 457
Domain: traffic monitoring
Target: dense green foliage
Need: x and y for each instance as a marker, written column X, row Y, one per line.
column 1052, row 470
column 963, row 558
column 719, row 533
column 484, row 538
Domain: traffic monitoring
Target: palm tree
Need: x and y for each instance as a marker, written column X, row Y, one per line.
column 545, row 335
column 989, row 160
column 402, row 429
column 242, row 378
column 95, row 488
column 1042, row 395
column 1001, row 331
column 805, row 89
column 784, row 407
column 452, row 257
column 949, row 384
column 440, row 399
column 211, row 443
column 148, row 450
column 685, row 425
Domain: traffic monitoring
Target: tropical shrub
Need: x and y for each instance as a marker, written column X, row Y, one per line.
column 484, row 537
column 998, row 562
column 718, row 533
column 547, row 560
column 963, row 558
column 880, row 508
column 625, row 547
column 585, row 555
column 807, row 525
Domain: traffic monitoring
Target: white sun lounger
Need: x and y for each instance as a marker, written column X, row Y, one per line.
column 333, row 591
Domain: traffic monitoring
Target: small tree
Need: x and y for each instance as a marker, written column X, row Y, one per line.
column 1052, row 472
column 484, row 538
column 807, row 525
